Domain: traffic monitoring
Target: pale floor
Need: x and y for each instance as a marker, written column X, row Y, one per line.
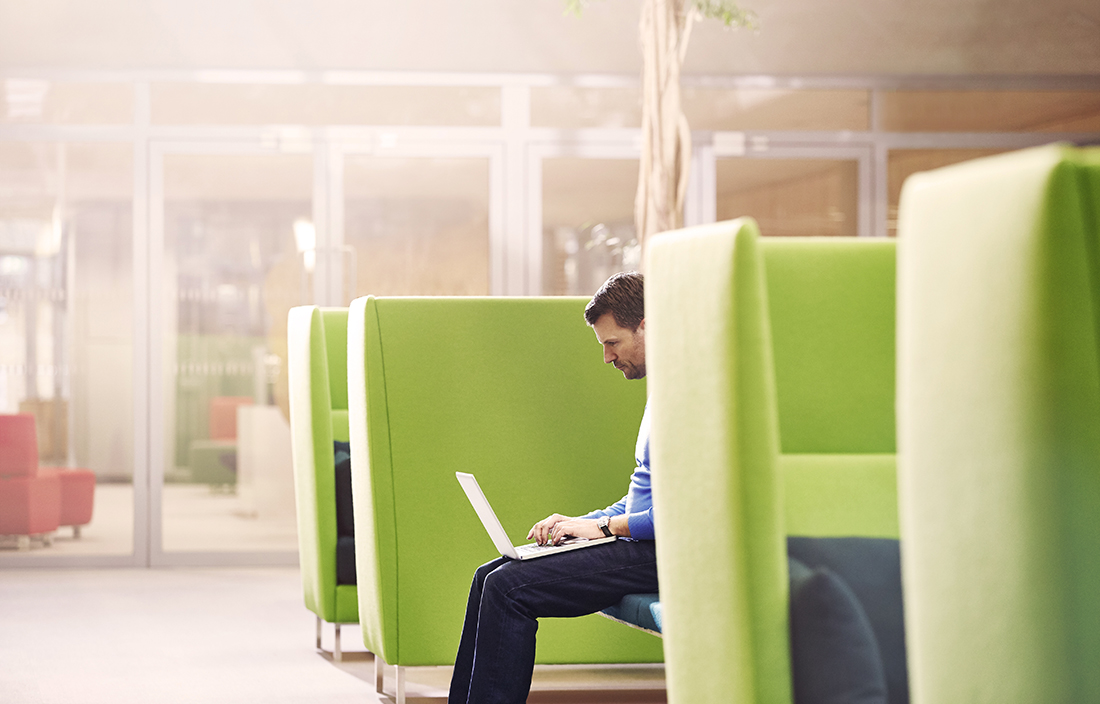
column 218, row 635
column 196, row 519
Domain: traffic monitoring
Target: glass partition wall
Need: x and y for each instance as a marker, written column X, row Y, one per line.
column 232, row 225
column 156, row 229
column 66, row 326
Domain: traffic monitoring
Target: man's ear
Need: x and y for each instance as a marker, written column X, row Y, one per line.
column 641, row 326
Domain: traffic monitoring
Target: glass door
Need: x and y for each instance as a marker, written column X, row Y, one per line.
column 235, row 245
column 67, row 351
column 418, row 220
column 581, row 211
column 794, row 191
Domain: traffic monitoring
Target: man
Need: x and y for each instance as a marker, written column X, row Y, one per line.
column 496, row 654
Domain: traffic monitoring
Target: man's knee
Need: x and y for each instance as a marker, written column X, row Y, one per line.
column 484, row 571
column 502, row 581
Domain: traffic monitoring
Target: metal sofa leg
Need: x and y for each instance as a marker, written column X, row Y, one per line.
column 399, row 671
column 318, row 632
column 379, row 671
column 76, row 532
column 336, row 654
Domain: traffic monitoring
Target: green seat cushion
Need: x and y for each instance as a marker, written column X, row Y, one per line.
column 840, row 494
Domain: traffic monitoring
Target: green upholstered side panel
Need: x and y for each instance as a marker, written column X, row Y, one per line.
column 368, row 428
column 347, row 604
column 721, row 551
column 335, row 321
column 831, row 302
column 310, row 359
column 837, row 495
column 999, row 429
column 340, row 429
column 513, row 390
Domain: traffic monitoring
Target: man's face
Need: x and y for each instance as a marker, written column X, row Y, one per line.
column 623, row 347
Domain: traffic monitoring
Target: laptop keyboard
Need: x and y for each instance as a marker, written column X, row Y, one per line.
column 533, row 549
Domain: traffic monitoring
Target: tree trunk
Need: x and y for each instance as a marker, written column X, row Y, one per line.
column 666, row 137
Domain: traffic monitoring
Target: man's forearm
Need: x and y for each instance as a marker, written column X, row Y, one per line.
column 620, row 525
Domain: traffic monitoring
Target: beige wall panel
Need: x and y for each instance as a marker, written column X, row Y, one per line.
column 790, row 197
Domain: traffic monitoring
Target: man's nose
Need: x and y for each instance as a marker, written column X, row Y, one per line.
column 608, row 357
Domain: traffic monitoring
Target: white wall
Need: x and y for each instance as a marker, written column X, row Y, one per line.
column 956, row 37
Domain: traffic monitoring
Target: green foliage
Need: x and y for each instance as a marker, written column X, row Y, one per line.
column 574, row 7
column 728, row 12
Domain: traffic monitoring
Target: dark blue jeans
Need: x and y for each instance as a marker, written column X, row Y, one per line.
column 497, row 652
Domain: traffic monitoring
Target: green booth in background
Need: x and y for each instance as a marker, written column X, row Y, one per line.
column 317, row 369
column 513, row 390
column 771, row 372
column 999, row 427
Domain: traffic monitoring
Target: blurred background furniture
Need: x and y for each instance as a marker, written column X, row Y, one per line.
column 30, row 501
column 513, row 390
column 34, row 500
column 771, row 368
column 999, row 427
column 77, row 496
column 213, row 460
column 265, row 471
column 317, row 369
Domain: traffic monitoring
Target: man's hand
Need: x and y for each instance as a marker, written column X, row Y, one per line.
column 575, row 528
column 540, row 532
column 556, row 528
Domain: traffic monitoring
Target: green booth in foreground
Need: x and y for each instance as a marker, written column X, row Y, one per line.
column 317, row 371
column 513, row 390
column 999, row 427
column 771, row 372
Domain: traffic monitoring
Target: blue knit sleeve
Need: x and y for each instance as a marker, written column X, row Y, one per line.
column 616, row 509
column 641, row 524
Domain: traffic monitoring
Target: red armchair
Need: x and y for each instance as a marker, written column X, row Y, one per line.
column 77, row 495
column 35, row 501
column 30, row 501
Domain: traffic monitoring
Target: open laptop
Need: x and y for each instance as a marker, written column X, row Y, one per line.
column 500, row 538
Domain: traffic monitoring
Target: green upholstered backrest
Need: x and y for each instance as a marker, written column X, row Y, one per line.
column 755, row 345
column 317, row 374
column 999, row 427
column 831, row 304
column 715, row 441
column 513, row 390
column 831, row 308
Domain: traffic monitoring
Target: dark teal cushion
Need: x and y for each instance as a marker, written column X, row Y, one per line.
column 871, row 568
column 345, row 560
column 638, row 609
column 834, row 657
column 345, row 522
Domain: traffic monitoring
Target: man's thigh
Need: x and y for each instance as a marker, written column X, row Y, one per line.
column 577, row 582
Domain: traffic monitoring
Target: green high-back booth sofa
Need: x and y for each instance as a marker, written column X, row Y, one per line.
column 513, row 390
column 771, row 372
column 999, row 427
column 317, row 371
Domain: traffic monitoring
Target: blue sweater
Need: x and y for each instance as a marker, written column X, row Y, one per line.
column 638, row 502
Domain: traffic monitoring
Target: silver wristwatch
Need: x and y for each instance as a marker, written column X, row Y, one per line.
column 604, row 522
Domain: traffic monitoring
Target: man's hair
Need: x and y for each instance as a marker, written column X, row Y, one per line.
column 623, row 296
